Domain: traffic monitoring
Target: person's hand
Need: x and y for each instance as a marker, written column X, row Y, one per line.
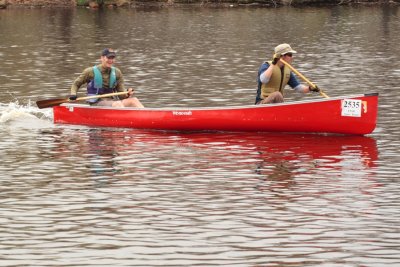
column 72, row 97
column 314, row 88
column 275, row 58
column 130, row 92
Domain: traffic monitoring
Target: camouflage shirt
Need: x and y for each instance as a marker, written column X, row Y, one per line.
column 88, row 75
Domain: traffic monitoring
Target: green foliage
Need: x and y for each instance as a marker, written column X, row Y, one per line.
column 82, row 2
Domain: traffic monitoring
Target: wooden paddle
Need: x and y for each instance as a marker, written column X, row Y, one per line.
column 302, row 77
column 46, row 103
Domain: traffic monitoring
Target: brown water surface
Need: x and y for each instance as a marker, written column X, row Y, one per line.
column 78, row 196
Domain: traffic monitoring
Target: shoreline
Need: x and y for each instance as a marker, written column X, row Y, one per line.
column 95, row 4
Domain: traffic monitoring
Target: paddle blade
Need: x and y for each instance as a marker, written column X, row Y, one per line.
column 51, row 102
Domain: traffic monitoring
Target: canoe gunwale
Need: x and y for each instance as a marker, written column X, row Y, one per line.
column 251, row 106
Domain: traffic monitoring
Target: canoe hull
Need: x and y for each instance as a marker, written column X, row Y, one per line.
column 313, row 116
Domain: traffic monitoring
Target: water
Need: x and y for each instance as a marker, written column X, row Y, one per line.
column 79, row 196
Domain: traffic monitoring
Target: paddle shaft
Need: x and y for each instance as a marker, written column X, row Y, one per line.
column 303, row 77
column 100, row 96
column 55, row 102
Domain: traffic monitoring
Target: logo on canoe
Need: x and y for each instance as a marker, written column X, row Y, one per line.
column 182, row 113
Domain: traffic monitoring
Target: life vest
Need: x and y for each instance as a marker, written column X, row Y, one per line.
column 95, row 86
column 277, row 82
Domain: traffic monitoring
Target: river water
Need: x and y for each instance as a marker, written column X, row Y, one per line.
column 79, row 196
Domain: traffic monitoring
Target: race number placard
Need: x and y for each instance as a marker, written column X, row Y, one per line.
column 351, row 107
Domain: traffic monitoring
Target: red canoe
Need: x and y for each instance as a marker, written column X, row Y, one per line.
column 356, row 114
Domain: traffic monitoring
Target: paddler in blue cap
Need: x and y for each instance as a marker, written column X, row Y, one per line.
column 103, row 79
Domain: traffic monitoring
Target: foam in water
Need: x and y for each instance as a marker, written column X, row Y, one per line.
column 28, row 116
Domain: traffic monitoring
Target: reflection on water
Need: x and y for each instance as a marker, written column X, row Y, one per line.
column 104, row 150
column 138, row 197
column 92, row 196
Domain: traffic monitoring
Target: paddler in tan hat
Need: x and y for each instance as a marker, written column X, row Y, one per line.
column 273, row 76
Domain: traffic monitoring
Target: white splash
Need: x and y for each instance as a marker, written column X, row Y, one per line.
column 26, row 116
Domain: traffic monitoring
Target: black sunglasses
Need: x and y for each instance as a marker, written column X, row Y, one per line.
column 288, row 54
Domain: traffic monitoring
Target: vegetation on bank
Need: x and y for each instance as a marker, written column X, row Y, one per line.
column 133, row 3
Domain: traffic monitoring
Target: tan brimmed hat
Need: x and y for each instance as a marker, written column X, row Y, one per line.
column 283, row 49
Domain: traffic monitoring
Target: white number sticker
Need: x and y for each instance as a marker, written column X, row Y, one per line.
column 351, row 107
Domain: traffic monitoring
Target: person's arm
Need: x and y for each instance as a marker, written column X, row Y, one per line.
column 296, row 85
column 302, row 88
column 266, row 75
column 83, row 78
column 121, row 86
column 266, row 72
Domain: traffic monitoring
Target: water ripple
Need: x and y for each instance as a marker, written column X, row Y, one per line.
column 78, row 196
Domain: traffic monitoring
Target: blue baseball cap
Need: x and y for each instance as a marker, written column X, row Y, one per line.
column 109, row 53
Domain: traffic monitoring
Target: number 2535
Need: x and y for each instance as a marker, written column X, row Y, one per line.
column 351, row 104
